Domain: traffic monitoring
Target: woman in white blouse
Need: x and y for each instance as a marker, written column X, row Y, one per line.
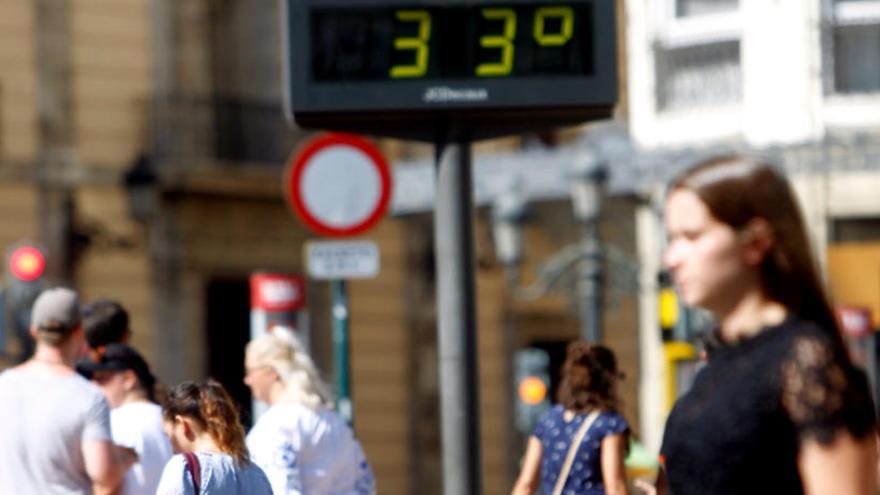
column 300, row 442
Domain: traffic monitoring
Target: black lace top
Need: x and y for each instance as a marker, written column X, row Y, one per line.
column 737, row 431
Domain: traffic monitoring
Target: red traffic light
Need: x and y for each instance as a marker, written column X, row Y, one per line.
column 27, row 263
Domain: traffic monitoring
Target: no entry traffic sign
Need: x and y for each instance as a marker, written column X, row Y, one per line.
column 339, row 185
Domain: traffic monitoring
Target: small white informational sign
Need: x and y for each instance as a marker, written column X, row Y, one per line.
column 339, row 260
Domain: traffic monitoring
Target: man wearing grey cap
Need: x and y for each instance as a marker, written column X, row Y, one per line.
column 54, row 424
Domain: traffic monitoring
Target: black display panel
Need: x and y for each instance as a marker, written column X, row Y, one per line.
column 402, row 44
column 423, row 69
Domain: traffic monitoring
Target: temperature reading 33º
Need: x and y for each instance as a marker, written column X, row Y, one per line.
column 497, row 41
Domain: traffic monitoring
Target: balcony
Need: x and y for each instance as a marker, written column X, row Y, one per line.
column 231, row 130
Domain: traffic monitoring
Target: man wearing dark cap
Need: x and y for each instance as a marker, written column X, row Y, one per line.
column 54, row 424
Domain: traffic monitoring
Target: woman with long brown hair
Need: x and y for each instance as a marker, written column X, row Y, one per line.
column 578, row 445
column 779, row 408
column 203, row 424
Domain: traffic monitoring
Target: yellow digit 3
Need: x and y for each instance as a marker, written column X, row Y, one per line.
column 418, row 44
column 504, row 41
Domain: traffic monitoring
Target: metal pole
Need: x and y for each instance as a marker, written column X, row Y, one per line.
column 590, row 284
column 456, row 329
column 340, row 350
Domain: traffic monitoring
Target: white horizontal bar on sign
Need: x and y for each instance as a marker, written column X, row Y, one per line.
column 537, row 174
column 340, row 260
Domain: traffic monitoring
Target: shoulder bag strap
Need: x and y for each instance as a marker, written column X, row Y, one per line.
column 572, row 451
column 192, row 465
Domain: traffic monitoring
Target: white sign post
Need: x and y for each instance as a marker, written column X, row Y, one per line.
column 339, row 186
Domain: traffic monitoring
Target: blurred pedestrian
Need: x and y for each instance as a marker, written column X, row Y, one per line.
column 302, row 445
column 105, row 322
column 203, row 424
column 779, row 408
column 135, row 417
column 578, row 445
column 55, row 425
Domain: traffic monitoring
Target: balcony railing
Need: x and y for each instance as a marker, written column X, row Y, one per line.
column 223, row 128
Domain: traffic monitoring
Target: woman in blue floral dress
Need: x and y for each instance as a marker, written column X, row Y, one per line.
column 589, row 378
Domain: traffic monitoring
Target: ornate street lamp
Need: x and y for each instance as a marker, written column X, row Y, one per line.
column 587, row 179
column 141, row 182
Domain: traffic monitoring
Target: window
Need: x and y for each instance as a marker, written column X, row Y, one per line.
column 698, row 75
column 689, row 8
column 248, row 117
column 250, row 130
column 697, row 54
column 855, row 39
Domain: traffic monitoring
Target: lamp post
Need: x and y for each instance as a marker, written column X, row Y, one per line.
column 508, row 213
column 587, row 177
column 141, row 181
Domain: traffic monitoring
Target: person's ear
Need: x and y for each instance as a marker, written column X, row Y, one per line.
column 129, row 380
column 758, row 239
column 93, row 354
column 186, row 425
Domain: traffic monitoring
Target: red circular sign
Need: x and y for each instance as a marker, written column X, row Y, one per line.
column 339, row 185
column 27, row 263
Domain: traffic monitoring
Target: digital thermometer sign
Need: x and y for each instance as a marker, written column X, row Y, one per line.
column 451, row 43
column 412, row 69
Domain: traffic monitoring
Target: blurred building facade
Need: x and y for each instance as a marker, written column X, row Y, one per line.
column 142, row 145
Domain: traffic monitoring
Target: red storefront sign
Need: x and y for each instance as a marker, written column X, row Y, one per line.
column 275, row 292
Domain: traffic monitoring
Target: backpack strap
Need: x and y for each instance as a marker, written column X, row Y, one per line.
column 192, row 465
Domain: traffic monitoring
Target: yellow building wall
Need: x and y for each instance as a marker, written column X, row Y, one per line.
column 116, row 262
column 854, row 276
column 216, row 233
column 380, row 362
column 19, row 206
column 112, row 78
column 495, row 414
column 18, row 96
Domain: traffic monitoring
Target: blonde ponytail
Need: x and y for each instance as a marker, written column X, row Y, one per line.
column 282, row 351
